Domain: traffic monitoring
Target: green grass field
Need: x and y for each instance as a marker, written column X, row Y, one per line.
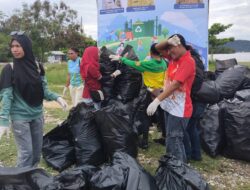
column 56, row 75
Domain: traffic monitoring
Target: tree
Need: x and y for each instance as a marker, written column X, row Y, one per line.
column 4, row 47
column 50, row 26
column 215, row 44
column 164, row 32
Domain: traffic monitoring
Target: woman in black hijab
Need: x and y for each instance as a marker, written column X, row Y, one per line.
column 22, row 89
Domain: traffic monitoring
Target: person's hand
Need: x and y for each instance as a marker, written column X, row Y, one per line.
column 174, row 41
column 116, row 73
column 153, row 107
column 3, row 130
column 115, row 57
column 62, row 103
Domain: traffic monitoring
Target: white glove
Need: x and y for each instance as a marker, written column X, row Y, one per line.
column 62, row 103
column 153, row 107
column 115, row 57
column 3, row 130
column 116, row 73
column 174, row 41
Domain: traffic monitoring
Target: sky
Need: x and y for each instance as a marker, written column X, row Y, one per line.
column 220, row 11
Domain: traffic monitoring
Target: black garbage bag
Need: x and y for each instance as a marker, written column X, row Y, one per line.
column 58, row 147
column 107, row 68
column 142, row 121
column 173, row 174
column 243, row 94
column 212, row 133
column 123, row 173
column 128, row 84
column 231, row 80
column 208, row 93
column 116, row 128
column 73, row 179
column 222, row 65
column 24, row 179
column 237, row 128
column 209, row 75
column 87, row 140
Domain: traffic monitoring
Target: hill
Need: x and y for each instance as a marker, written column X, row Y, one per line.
column 239, row 45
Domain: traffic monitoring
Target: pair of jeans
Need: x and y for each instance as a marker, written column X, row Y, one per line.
column 75, row 94
column 192, row 141
column 175, row 132
column 29, row 140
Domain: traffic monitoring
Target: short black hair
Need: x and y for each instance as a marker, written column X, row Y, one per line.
column 75, row 50
column 153, row 50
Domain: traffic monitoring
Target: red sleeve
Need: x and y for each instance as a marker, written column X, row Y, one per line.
column 185, row 70
column 81, row 69
column 94, row 72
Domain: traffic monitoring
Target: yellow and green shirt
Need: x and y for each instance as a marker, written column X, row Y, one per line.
column 153, row 71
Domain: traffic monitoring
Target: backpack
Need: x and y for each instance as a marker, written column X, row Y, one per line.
column 199, row 74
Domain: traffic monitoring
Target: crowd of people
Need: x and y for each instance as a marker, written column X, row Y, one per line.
column 168, row 75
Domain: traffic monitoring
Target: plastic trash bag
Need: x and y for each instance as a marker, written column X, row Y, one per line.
column 128, row 84
column 73, row 179
column 116, row 129
column 237, row 129
column 123, row 173
column 208, row 93
column 212, row 133
column 24, row 179
column 107, row 68
column 58, row 148
column 173, row 174
column 87, row 141
column 222, row 65
column 230, row 81
column 243, row 94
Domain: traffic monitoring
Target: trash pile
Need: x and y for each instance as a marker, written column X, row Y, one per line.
column 225, row 125
column 98, row 149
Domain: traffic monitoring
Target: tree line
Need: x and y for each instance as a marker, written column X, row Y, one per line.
column 50, row 26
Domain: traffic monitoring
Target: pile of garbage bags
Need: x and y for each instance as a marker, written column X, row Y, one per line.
column 122, row 172
column 225, row 125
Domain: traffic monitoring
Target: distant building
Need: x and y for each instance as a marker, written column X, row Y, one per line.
column 56, row 56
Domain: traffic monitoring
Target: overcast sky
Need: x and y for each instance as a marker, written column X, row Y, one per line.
column 236, row 12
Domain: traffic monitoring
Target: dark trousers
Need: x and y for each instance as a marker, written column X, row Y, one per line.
column 192, row 141
column 175, row 132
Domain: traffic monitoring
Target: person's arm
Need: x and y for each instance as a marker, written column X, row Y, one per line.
column 6, row 96
column 167, row 92
column 138, row 65
column 48, row 95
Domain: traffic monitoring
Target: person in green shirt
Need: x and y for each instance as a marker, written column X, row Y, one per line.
column 23, row 87
column 153, row 71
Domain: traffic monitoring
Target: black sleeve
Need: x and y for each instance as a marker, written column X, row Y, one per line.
column 6, row 77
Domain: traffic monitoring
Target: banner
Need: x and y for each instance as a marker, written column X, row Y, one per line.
column 141, row 23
